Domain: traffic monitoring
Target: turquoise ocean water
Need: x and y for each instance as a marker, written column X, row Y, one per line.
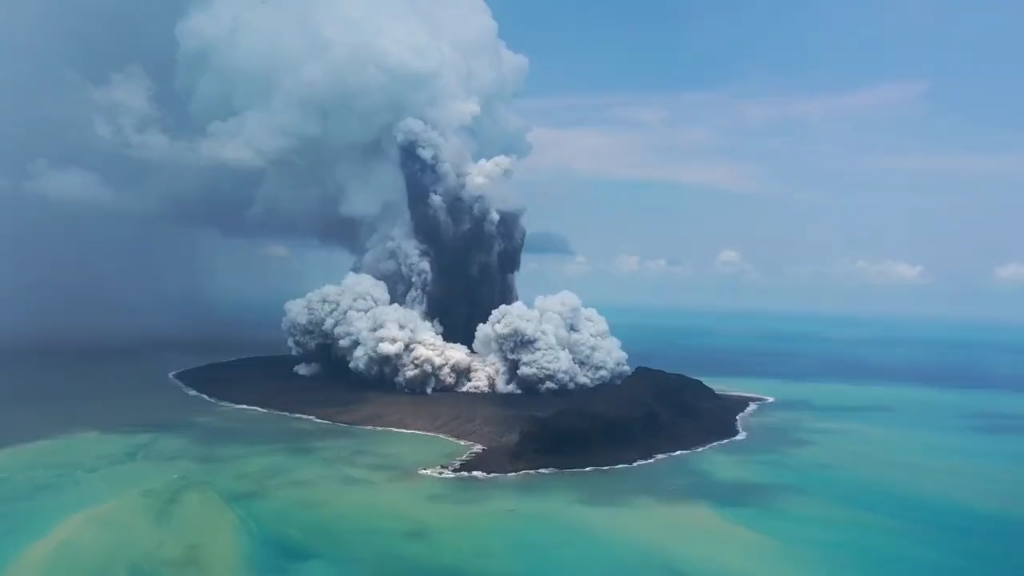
column 894, row 448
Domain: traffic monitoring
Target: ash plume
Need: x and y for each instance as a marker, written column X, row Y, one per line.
column 557, row 344
column 432, row 303
column 474, row 250
column 372, row 126
column 454, row 322
column 280, row 117
column 265, row 121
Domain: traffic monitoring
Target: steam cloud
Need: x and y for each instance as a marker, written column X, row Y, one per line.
column 283, row 114
column 433, row 302
column 378, row 126
column 374, row 125
column 558, row 344
column 451, row 267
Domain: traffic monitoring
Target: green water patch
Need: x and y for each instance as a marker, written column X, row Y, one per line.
column 178, row 527
column 826, row 484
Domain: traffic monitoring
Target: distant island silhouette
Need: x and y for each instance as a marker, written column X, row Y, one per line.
column 650, row 413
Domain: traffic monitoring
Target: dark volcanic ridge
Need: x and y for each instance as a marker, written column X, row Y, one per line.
column 651, row 414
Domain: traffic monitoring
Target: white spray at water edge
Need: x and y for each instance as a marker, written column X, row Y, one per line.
column 556, row 344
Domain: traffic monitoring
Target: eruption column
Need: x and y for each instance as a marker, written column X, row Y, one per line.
column 474, row 250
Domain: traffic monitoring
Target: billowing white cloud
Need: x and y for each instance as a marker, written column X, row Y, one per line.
column 285, row 117
column 1009, row 273
column 307, row 369
column 556, row 344
column 730, row 261
column 66, row 183
column 266, row 78
column 271, row 120
column 889, row 272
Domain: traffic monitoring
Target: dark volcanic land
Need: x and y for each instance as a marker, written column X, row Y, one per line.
column 650, row 412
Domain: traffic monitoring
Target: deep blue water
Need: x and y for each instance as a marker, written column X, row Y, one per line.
column 941, row 353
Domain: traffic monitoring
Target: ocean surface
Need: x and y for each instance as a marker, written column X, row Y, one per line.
column 895, row 447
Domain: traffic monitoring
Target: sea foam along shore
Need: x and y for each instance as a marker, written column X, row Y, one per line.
column 445, row 471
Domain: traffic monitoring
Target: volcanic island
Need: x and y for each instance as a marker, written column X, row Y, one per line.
column 649, row 413
column 427, row 334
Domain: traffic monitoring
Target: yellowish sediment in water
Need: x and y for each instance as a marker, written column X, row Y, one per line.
column 816, row 489
column 178, row 527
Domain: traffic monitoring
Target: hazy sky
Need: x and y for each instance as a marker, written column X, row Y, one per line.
column 799, row 154
column 844, row 155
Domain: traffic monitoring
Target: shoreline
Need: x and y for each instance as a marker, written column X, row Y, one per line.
column 445, row 470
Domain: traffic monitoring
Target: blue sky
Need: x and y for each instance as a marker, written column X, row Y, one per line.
column 863, row 157
column 851, row 157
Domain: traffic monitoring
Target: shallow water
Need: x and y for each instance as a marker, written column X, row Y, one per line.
column 838, row 478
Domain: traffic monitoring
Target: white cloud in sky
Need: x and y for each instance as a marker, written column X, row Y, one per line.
column 265, row 80
column 623, row 264
column 716, row 140
column 66, row 183
column 1009, row 273
column 792, row 143
column 818, row 107
column 627, row 263
column 578, row 265
column 730, row 261
column 620, row 153
column 127, row 112
column 888, row 272
column 633, row 264
column 661, row 265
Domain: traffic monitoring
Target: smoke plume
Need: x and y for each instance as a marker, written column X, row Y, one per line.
column 433, row 302
column 474, row 250
column 557, row 344
column 454, row 322
column 282, row 115
column 373, row 126
column 267, row 121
